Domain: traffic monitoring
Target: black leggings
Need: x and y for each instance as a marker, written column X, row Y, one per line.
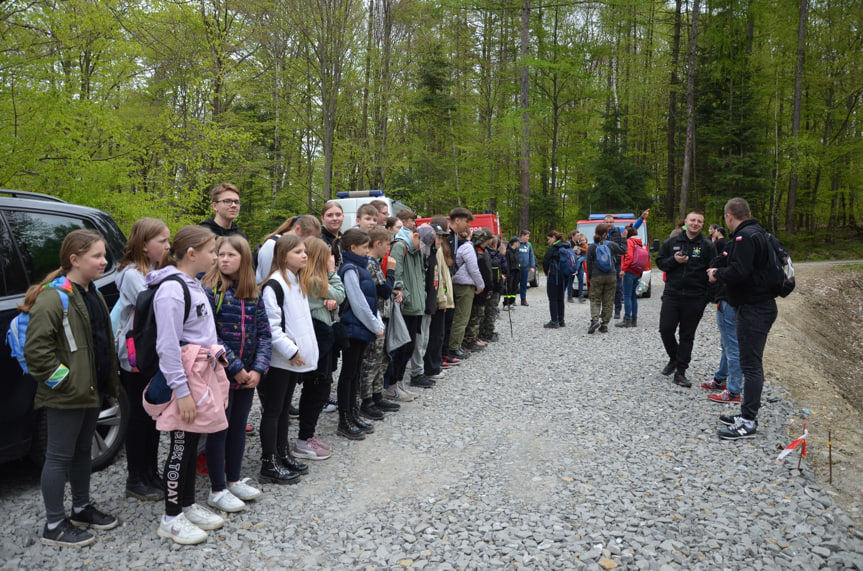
column 275, row 399
column 349, row 377
column 142, row 438
column 316, row 391
column 180, row 471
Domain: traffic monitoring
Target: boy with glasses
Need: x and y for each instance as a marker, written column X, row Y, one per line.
column 226, row 205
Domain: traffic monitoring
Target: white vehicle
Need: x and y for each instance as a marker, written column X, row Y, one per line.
column 588, row 228
column 351, row 202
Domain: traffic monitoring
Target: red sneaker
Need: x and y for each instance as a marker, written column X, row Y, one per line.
column 724, row 396
column 714, row 385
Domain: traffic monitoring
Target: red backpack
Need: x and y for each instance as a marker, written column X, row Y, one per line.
column 640, row 259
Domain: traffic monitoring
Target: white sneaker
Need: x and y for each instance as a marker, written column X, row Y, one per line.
column 181, row 530
column 244, row 491
column 203, row 518
column 225, row 501
column 331, row 406
column 401, row 387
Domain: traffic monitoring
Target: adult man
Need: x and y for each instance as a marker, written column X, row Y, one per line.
column 526, row 262
column 226, row 205
column 684, row 259
column 615, row 236
column 746, row 259
column 459, row 221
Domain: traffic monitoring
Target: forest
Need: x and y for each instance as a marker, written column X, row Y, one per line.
column 541, row 110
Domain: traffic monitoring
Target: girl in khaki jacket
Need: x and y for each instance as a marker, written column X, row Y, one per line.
column 70, row 354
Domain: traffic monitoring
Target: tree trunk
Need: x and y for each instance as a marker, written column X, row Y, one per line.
column 795, row 115
column 524, row 213
column 689, row 151
column 671, row 135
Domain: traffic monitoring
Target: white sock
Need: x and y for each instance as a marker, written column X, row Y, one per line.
column 186, row 508
column 78, row 510
column 749, row 423
column 55, row 525
column 169, row 518
column 301, row 442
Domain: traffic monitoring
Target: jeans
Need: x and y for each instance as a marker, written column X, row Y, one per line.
column 729, row 363
column 618, row 288
column 70, row 437
column 685, row 312
column 554, row 288
column 630, row 295
column 580, row 275
column 753, row 325
column 523, row 283
column 225, row 448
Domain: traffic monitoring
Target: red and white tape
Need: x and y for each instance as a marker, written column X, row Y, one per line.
column 794, row 445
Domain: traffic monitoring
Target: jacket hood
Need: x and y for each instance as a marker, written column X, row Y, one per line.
column 636, row 240
column 405, row 236
column 159, row 275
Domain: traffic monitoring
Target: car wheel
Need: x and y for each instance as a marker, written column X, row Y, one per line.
column 110, row 430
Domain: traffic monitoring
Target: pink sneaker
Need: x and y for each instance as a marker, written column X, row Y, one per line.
column 310, row 451
column 724, row 396
column 320, row 443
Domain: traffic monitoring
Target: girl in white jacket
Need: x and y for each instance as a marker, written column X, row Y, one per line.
column 295, row 349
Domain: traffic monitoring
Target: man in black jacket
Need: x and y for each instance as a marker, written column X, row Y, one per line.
column 755, row 310
column 684, row 259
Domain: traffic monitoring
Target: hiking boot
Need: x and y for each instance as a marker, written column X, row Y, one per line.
column 681, row 380
column 291, row 464
column 552, row 325
column 617, row 314
column 524, row 302
column 603, row 328
column 383, row 404
column 401, row 386
column 369, row 410
column 669, row 368
column 226, row 501
column 272, row 471
column 714, row 385
column 182, row 531
column 366, row 427
column 393, row 394
column 562, row 323
column 569, row 299
column 624, row 323
column 724, row 396
column 594, row 325
column 460, row 354
column 348, row 429
column 633, row 322
column 93, row 518
column 66, row 535
column 740, row 429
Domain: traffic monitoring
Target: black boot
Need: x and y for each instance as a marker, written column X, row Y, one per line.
column 370, row 410
column 359, row 422
column 633, row 322
column 624, row 323
column 287, row 460
column 272, row 471
column 140, row 487
column 384, row 404
column 348, row 429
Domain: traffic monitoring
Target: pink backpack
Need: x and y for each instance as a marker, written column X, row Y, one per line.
column 640, row 259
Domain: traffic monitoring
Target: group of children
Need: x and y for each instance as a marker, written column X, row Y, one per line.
column 383, row 297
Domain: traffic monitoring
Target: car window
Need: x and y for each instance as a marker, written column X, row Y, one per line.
column 39, row 236
column 13, row 281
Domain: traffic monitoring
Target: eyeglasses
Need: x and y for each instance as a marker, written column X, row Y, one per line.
column 229, row 201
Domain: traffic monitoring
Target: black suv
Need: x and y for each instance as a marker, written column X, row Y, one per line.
column 32, row 228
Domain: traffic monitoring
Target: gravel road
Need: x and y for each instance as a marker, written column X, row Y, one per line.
column 553, row 450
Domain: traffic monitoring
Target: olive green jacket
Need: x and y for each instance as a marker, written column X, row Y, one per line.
column 46, row 348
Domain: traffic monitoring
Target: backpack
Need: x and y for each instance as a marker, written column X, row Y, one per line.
column 640, row 259
column 566, row 263
column 16, row 336
column 604, row 259
column 778, row 273
column 141, row 339
column 274, row 238
column 280, row 297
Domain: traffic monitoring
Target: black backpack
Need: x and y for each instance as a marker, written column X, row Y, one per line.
column 141, row 339
column 280, row 297
column 778, row 273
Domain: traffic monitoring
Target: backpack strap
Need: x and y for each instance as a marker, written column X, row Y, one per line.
column 70, row 339
column 187, row 295
column 280, row 297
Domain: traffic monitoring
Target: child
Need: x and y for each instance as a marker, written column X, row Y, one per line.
column 181, row 345
column 301, row 226
column 514, row 275
column 325, row 293
column 295, row 350
column 360, row 317
column 243, row 330
column 148, row 242
column 81, row 345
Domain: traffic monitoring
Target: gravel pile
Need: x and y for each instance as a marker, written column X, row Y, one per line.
column 554, row 449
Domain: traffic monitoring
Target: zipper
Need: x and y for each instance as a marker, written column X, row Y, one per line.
column 242, row 327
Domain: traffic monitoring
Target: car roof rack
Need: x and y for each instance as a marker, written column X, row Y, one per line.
column 30, row 195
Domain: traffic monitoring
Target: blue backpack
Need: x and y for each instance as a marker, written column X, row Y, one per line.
column 604, row 259
column 16, row 336
column 566, row 263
